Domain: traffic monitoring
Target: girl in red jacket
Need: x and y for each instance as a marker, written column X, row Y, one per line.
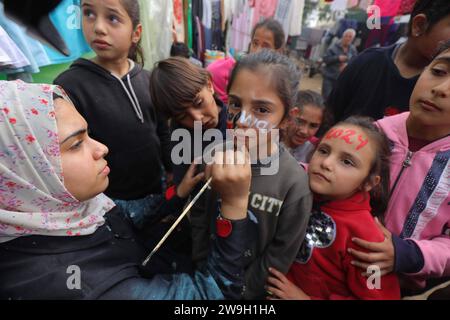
column 349, row 176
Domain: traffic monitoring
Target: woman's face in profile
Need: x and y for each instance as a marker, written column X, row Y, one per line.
column 85, row 171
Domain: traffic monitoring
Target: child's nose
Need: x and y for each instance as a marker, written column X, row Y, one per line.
column 241, row 123
column 196, row 115
column 303, row 129
column 327, row 163
column 99, row 26
column 443, row 89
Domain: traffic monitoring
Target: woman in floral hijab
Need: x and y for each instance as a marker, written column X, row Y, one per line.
column 60, row 237
column 33, row 198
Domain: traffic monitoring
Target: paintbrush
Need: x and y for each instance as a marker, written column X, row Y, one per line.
column 160, row 243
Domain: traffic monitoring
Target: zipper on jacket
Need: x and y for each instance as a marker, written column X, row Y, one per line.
column 406, row 164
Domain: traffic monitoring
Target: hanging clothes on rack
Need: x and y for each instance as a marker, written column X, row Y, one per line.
column 31, row 48
column 388, row 8
column 216, row 25
column 5, row 60
column 364, row 4
column 207, row 23
column 263, row 9
column 352, row 3
column 338, row 5
column 246, row 29
column 10, row 55
column 188, row 22
column 200, row 40
column 179, row 20
column 207, row 14
column 243, row 15
column 197, row 29
column 67, row 19
column 283, row 14
column 157, row 22
column 406, row 7
column 297, row 7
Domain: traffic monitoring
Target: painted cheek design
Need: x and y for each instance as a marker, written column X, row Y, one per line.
column 347, row 136
column 247, row 119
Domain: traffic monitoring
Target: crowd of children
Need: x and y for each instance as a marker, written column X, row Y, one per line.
column 297, row 207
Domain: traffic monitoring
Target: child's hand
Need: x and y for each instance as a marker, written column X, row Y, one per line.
column 231, row 177
column 281, row 288
column 382, row 253
column 189, row 181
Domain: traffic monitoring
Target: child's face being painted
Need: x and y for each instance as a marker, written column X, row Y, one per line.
column 84, row 168
column 203, row 109
column 303, row 124
column 341, row 163
column 108, row 28
column 254, row 98
column 430, row 100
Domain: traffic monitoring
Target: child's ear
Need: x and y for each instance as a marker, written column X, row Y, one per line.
column 419, row 25
column 210, row 86
column 371, row 183
column 136, row 36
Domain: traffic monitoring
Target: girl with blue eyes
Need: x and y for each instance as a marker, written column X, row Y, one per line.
column 349, row 177
column 111, row 92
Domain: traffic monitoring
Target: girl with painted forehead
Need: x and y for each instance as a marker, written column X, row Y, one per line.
column 349, row 176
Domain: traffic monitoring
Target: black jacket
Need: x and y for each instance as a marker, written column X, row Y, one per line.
column 38, row 267
column 120, row 115
column 371, row 85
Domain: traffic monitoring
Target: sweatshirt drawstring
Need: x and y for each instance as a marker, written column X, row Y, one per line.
column 139, row 109
column 132, row 97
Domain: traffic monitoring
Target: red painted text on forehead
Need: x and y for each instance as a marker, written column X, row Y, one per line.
column 350, row 136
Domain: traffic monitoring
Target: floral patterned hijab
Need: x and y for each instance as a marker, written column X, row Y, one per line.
column 33, row 199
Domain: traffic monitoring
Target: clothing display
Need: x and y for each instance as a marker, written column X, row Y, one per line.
column 220, row 25
column 32, row 49
column 284, row 14
column 263, row 9
column 179, row 20
column 67, row 20
column 10, row 54
column 156, row 15
column 388, row 8
column 339, row 5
